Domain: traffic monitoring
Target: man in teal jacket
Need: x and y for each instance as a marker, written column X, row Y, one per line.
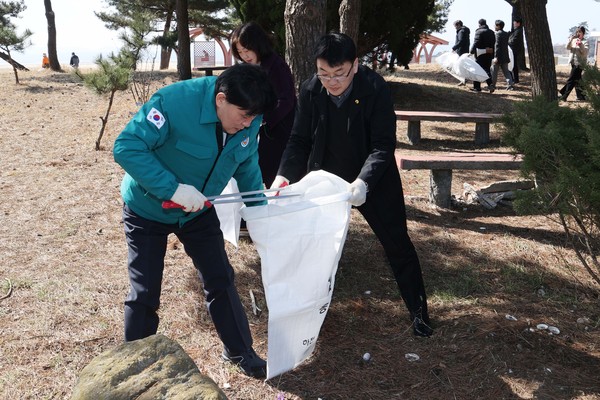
column 185, row 144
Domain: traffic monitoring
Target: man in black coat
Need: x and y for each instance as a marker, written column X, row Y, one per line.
column 463, row 38
column 484, row 39
column 502, row 59
column 462, row 42
column 345, row 124
column 74, row 61
column 517, row 45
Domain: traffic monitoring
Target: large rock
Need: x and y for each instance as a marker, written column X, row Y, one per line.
column 147, row 369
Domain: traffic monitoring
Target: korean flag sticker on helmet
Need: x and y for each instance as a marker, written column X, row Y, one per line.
column 156, row 118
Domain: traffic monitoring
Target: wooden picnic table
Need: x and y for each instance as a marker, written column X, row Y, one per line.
column 442, row 165
column 414, row 118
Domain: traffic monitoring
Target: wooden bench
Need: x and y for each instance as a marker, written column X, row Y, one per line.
column 441, row 166
column 414, row 118
column 208, row 71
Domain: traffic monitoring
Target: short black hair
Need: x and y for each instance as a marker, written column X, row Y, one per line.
column 500, row 23
column 482, row 22
column 252, row 37
column 581, row 29
column 248, row 87
column 335, row 48
column 458, row 22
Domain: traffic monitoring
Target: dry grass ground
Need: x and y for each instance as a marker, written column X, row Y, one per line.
column 63, row 250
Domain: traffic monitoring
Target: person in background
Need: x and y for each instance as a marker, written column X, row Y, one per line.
column 484, row 39
column 251, row 44
column 463, row 38
column 579, row 49
column 501, row 59
column 345, row 124
column 74, row 62
column 45, row 61
column 184, row 144
column 392, row 62
column 462, row 42
column 517, row 45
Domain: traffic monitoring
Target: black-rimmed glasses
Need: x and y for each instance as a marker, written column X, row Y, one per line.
column 335, row 78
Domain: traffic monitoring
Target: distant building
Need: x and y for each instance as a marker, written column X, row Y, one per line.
column 425, row 41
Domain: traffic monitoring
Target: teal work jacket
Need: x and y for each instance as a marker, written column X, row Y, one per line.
column 172, row 140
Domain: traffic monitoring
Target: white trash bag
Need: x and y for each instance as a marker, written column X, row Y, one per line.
column 463, row 67
column 468, row 68
column 448, row 61
column 300, row 241
column 229, row 215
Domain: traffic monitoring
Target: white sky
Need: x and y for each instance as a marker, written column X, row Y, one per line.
column 79, row 30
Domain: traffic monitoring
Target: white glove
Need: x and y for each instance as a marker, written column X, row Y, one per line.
column 189, row 197
column 358, row 192
column 280, row 181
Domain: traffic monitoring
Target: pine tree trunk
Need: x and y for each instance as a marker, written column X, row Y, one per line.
column 105, row 119
column 165, row 53
column 539, row 46
column 304, row 25
column 349, row 12
column 52, row 54
column 516, row 9
column 9, row 60
column 184, row 63
column 16, row 74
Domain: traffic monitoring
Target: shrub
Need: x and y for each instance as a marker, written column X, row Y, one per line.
column 561, row 149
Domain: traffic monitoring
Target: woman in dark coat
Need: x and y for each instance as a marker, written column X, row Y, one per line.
column 251, row 44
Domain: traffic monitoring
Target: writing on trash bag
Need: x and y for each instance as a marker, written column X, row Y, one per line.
column 308, row 342
column 323, row 308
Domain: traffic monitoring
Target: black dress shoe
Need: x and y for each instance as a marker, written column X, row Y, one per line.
column 248, row 362
column 420, row 328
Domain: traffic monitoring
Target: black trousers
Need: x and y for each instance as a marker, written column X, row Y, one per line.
column 203, row 242
column 515, row 73
column 573, row 83
column 485, row 62
column 271, row 145
column 518, row 63
column 386, row 215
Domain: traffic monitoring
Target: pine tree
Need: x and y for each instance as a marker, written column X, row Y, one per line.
column 561, row 149
column 159, row 16
column 112, row 75
column 10, row 40
column 377, row 29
